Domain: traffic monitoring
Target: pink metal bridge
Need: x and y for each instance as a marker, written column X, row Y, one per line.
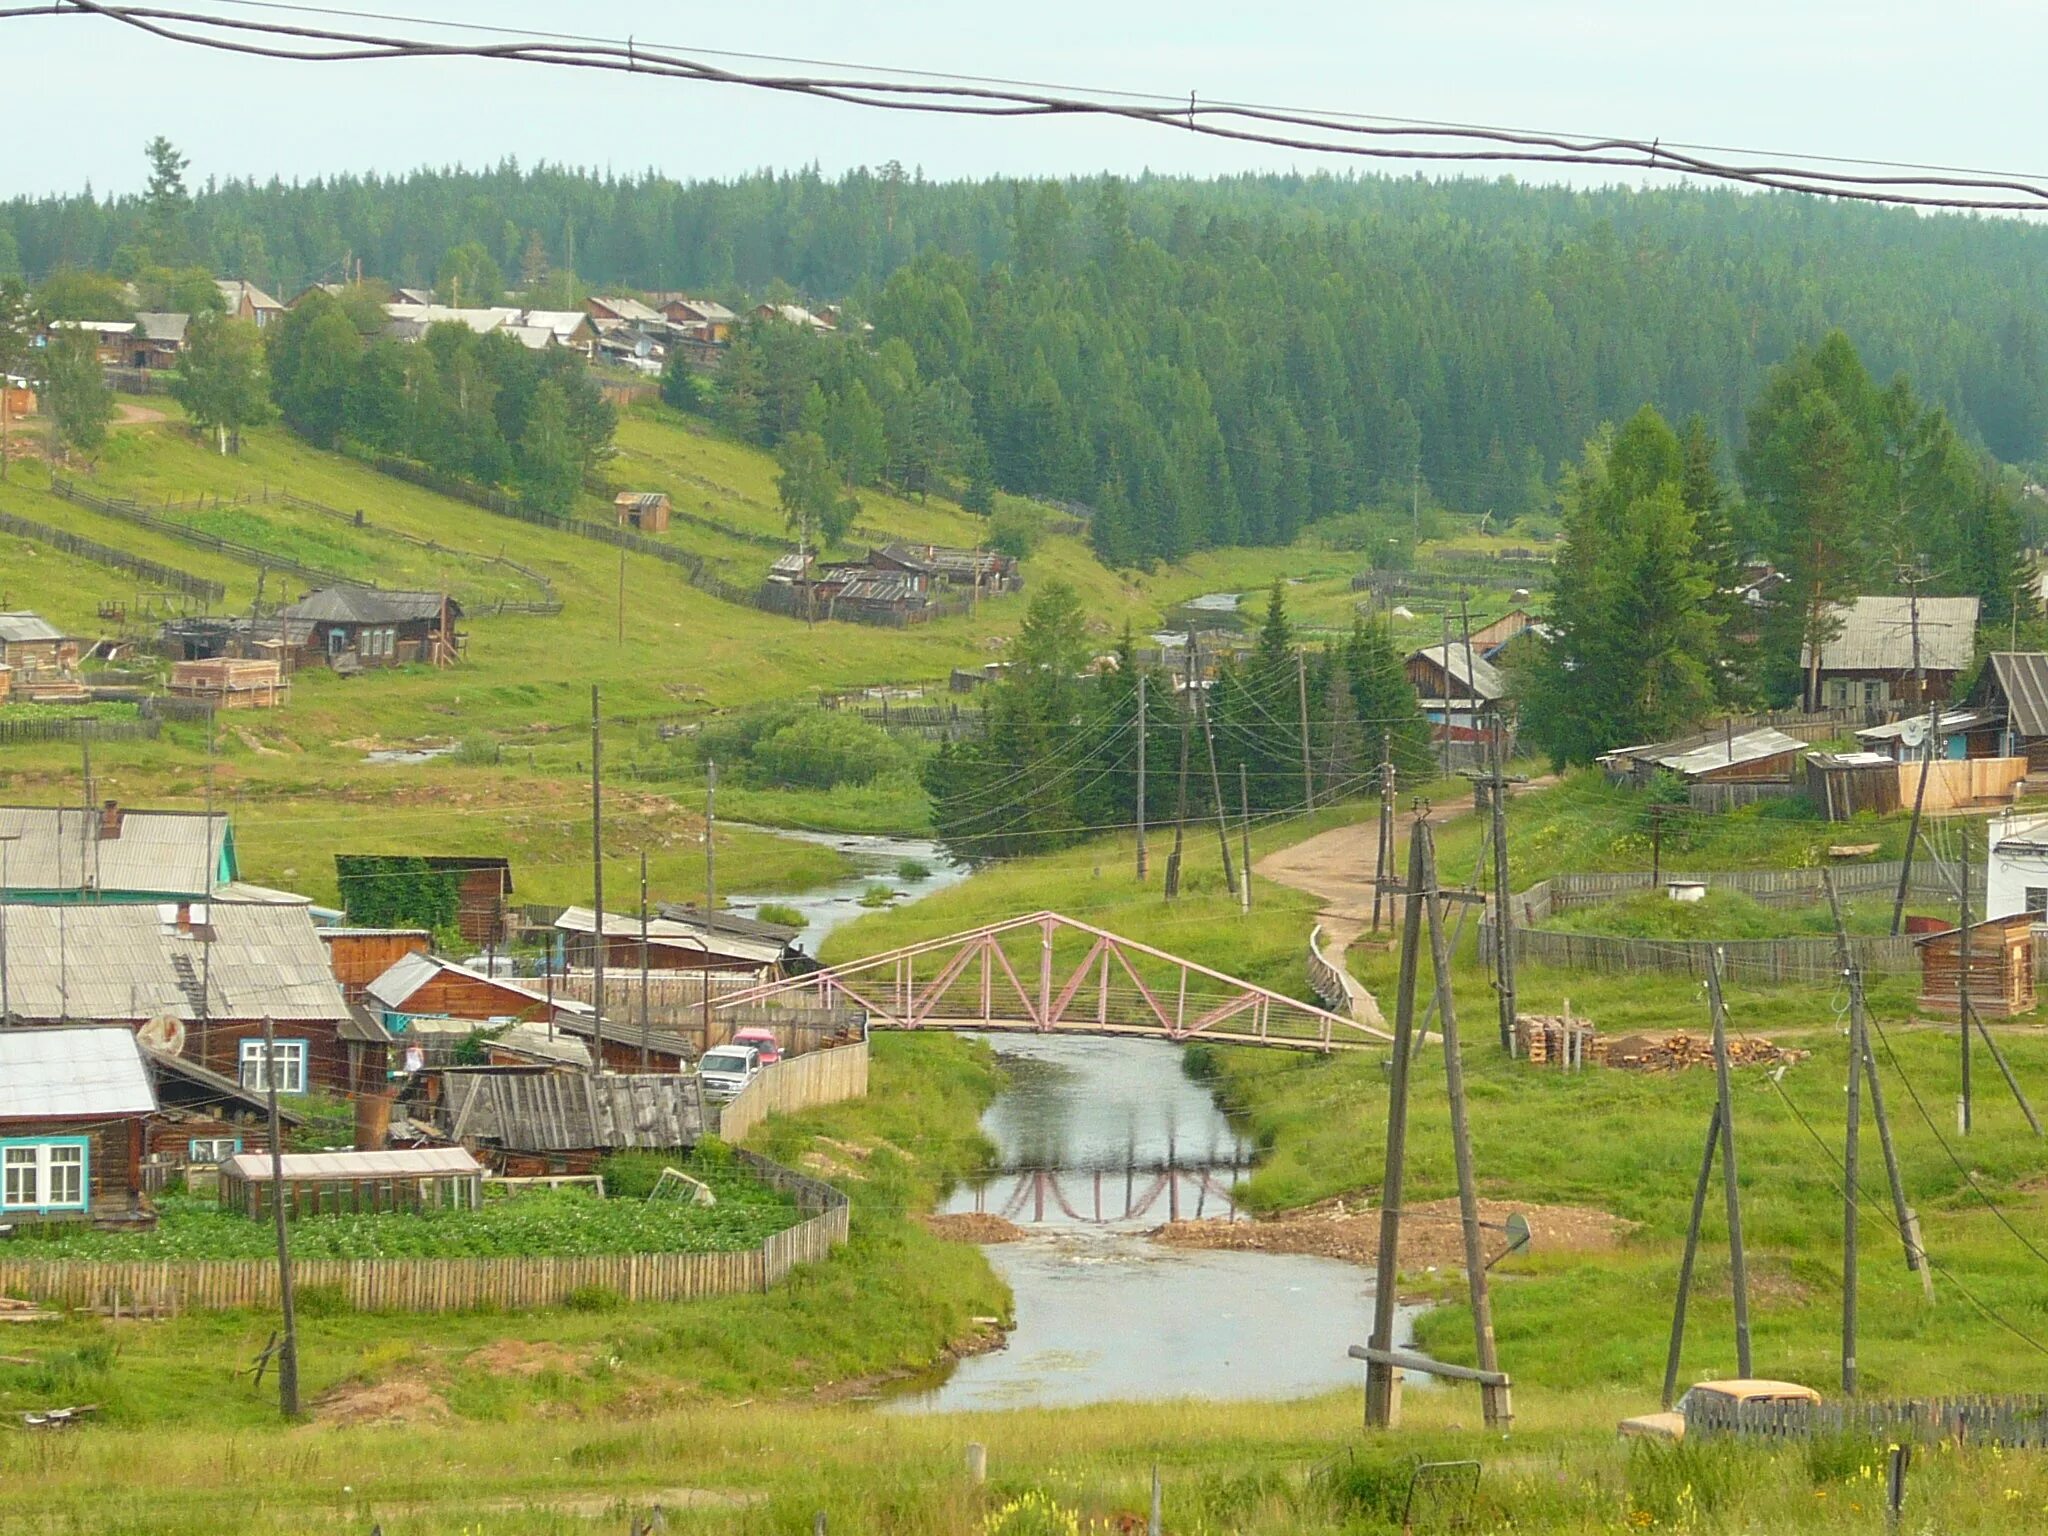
column 1046, row 972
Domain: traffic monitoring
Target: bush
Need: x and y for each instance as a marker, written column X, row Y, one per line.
column 593, row 1298
column 776, row 912
column 913, row 870
column 478, row 750
column 824, row 749
column 1015, row 530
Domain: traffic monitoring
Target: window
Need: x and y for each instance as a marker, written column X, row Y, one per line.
column 1873, row 692
column 1838, row 693
column 2037, row 900
column 43, row 1175
column 212, row 1149
column 290, row 1061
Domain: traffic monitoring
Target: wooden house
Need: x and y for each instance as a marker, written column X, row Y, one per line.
column 702, row 320
column 482, row 884
column 1725, row 756
column 984, row 570
column 317, row 1183
column 1458, row 689
column 2001, row 967
column 74, row 1103
column 204, row 973
column 2015, row 687
column 60, row 855
column 357, row 627
column 111, row 339
column 245, row 301
column 158, row 340
column 1869, row 660
column 646, row 511
column 33, row 647
column 204, row 1118
column 358, row 956
column 681, row 939
column 425, row 986
column 1966, row 733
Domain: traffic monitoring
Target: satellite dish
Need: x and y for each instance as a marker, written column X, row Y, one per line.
column 1913, row 733
column 1517, row 1229
column 164, row 1034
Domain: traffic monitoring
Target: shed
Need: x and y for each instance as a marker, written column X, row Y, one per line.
column 1844, row 784
column 1965, row 734
column 2017, row 681
column 324, row 1183
column 564, row 1113
column 2001, row 973
column 231, row 683
column 644, row 510
column 359, row 956
column 31, row 644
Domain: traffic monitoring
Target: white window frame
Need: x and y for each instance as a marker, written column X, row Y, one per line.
column 212, row 1149
column 293, row 1056
column 42, row 1163
column 2037, row 900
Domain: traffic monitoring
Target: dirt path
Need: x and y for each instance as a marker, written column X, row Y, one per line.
column 127, row 414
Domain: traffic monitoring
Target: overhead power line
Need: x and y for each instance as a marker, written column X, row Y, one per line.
column 902, row 90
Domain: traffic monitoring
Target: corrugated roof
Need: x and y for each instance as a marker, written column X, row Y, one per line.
column 762, row 948
column 59, row 849
column 1721, row 752
column 67, row 1073
column 233, row 288
column 1876, row 635
column 162, row 325
column 1468, row 672
column 1952, row 721
column 128, row 961
column 421, row 1163
column 2022, row 676
column 727, row 924
column 15, row 627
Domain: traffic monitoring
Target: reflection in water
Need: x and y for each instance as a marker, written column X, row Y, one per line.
column 1099, row 1140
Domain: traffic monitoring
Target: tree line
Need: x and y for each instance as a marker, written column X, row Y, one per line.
column 1058, row 759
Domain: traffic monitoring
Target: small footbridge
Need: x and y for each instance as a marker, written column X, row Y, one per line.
column 1047, row 973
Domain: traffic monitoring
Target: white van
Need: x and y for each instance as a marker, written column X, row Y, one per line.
column 728, row 1069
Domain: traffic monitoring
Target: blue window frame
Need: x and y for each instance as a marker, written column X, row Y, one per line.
column 45, row 1173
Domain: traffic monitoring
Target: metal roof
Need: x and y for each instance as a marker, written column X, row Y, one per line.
column 1473, row 674
column 233, row 288
column 1952, row 721
column 68, row 1073
column 60, row 848
column 762, row 946
column 1722, row 752
column 162, row 325
column 369, row 605
column 16, row 627
column 130, row 961
column 422, row 1163
column 2022, row 676
column 1876, row 635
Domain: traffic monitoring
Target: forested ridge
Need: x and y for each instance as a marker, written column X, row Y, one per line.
column 1221, row 361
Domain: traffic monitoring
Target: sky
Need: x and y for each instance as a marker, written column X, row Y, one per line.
column 1875, row 79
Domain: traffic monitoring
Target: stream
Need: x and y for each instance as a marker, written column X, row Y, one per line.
column 875, row 860
column 1100, row 1140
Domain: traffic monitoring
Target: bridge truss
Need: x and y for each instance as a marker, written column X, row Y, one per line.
column 1047, row 972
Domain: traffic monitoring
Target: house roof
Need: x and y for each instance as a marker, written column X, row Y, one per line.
column 880, row 587
column 103, row 328
column 58, row 848
column 369, row 605
column 2022, row 676
column 478, row 320
column 161, row 325
column 2003, row 924
column 233, row 289
column 1469, row 673
column 15, row 627
column 422, row 1162
column 629, row 309
column 563, row 1112
column 1952, row 722
column 707, row 310
column 68, row 1073
column 1719, row 751
column 195, row 1083
column 406, row 975
column 129, row 960
column 1876, row 635
column 763, row 948
column 559, row 323
column 728, row 925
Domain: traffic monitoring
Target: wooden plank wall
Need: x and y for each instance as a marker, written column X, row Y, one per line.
column 796, row 1083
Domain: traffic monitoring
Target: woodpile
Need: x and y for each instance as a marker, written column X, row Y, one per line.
column 1676, row 1053
column 1557, row 1040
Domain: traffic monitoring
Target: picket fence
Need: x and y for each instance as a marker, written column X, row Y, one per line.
column 796, row 1083
column 449, row 1285
column 2004, row 1419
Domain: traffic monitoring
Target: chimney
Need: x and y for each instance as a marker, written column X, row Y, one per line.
column 110, row 821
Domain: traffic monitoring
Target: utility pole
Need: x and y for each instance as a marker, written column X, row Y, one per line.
column 1180, row 810
column 1383, row 1381
column 1385, row 858
column 622, row 594
column 1308, row 781
column 1216, row 793
column 596, row 885
column 1141, row 776
column 644, row 1027
column 1963, row 1105
column 1851, row 1162
column 1692, row 1248
column 288, row 1356
column 710, row 837
column 1738, row 1263
column 1503, row 925
column 1244, row 809
column 1926, row 757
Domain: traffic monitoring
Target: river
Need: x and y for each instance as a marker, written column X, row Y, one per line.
column 875, row 860
column 1100, row 1140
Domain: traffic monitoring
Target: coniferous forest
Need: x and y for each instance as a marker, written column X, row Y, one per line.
column 1200, row 362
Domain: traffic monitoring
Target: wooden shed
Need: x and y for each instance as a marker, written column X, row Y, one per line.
column 2001, row 977
column 360, row 955
column 231, row 683
column 326, row 1183
column 644, row 510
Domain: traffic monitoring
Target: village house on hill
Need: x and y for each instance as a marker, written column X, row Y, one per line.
column 1869, row 660
column 356, row 627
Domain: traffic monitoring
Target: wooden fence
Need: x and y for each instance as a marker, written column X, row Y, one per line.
column 546, row 604
column 84, row 727
column 168, row 577
column 1952, row 785
column 796, row 1083
column 449, row 1285
column 248, row 554
column 1754, row 960
column 2013, row 1420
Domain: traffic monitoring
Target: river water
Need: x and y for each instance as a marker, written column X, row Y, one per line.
column 875, row 860
column 1099, row 1141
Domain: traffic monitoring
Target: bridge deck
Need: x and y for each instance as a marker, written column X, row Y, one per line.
column 1125, row 1032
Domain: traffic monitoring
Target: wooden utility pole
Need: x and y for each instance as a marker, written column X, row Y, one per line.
column 1141, row 775
column 1738, row 1264
column 1851, row 1189
column 1216, row 794
column 1692, row 1248
column 596, row 885
column 644, row 1025
column 1926, row 757
column 1495, row 1400
column 1383, row 1381
column 1180, row 809
column 1385, row 857
column 1503, row 924
column 1244, row 823
column 1963, row 988
column 1308, row 779
column 622, row 594
column 288, row 1355
column 710, row 837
